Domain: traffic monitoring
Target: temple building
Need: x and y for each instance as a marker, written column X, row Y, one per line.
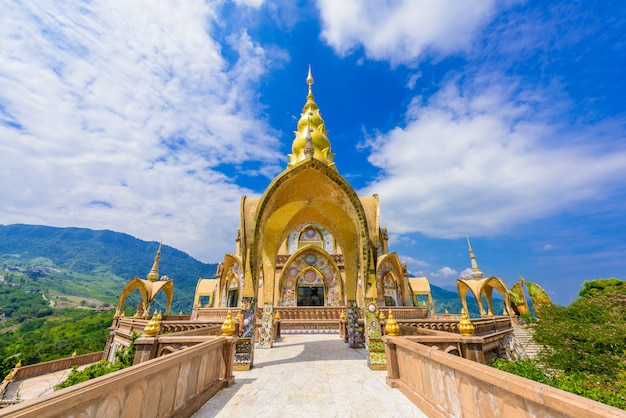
column 309, row 241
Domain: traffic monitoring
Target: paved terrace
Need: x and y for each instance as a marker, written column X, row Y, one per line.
column 314, row 375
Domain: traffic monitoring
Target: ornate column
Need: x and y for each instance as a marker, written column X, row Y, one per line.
column 244, row 346
column 355, row 332
column 375, row 346
column 267, row 322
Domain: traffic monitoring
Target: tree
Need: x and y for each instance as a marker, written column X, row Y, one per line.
column 584, row 344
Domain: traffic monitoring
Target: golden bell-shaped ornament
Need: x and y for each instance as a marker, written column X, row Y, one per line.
column 391, row 327
column 465, row 326
column 228, row 327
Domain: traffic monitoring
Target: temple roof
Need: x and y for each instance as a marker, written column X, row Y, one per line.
column 310, row 137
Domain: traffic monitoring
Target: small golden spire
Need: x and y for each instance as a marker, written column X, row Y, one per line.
column 391, row 327
column 381, row 316
column 228, row 327
column 74, row 354
column 181, row 313
column 9, row 376
column 154, row 271
column 153, row 327
column 342, row 315
column 477, row 274
column 277, row 316
column 465, row 326
column 122, row 315
column 18, row 365
column 136, row 314
column 489, row 313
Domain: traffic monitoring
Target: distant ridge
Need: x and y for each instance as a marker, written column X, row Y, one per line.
column 112, row 256
column 111, row 259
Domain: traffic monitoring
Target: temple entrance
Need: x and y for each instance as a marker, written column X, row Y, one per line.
column 310, row 296
column 233, row 298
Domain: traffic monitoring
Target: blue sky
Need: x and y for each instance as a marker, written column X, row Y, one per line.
column 501, row 120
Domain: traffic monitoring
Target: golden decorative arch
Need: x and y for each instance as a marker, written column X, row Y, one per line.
column 310, row 192
column 390, row 263
column 148, row 289
column 421, row 286
column 485, row 287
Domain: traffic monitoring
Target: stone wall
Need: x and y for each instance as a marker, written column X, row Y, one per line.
column 173, row 385
column 443, row 385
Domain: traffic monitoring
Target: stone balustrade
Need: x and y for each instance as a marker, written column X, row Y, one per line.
column 40, row 369
column 309, row 312
column 442, row 385
column 173, row 385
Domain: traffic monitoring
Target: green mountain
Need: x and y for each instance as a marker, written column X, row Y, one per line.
column 77, row 264
column 93, row 265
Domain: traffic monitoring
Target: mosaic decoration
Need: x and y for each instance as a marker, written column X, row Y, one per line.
column 265, row 331
column 310, row 269
column 243, row 354
column 311, row 234
column 375, row 345
column 248, row 307
column 387, row 285
column 355, row 332
column 243, row 348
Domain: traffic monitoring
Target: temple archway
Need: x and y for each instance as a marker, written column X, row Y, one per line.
column 310, row 272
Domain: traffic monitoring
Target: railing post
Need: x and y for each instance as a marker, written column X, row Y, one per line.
column 393, row 372
column 229, row 360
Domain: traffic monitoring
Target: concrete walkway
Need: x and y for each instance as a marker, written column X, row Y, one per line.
column 310, row 376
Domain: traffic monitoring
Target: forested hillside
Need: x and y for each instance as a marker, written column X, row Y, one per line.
column 66, row 262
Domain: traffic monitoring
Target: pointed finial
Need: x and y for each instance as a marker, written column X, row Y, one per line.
column 309, row 77
column 154, row 271
column 74, row 354
column 381, row 316
column 476, row 273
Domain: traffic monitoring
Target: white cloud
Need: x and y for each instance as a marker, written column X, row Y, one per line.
column 479, row 158
column 445, row 272
column 403, row 30
column 118, row 116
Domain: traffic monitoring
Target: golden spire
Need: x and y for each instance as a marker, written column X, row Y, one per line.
column 154, row 271
column 476, row 273
column 466, row 328
column 391, row 327
column 311, row 133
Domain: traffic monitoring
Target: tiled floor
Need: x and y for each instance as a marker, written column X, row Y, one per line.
column 313, row 375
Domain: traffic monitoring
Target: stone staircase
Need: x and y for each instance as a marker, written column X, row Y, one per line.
column 524, row 336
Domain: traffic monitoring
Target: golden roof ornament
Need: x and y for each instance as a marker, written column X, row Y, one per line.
column 465, row 326
column 476, row 273
column 311, row 132
column 153, row 327
column 391, row 327
column 228, row 327
column 381, row 316
column 154, row 271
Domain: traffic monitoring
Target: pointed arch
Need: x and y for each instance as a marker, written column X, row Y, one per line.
column 318, row 262
column 390, row 268
column 148, row 290
column 311, row 192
